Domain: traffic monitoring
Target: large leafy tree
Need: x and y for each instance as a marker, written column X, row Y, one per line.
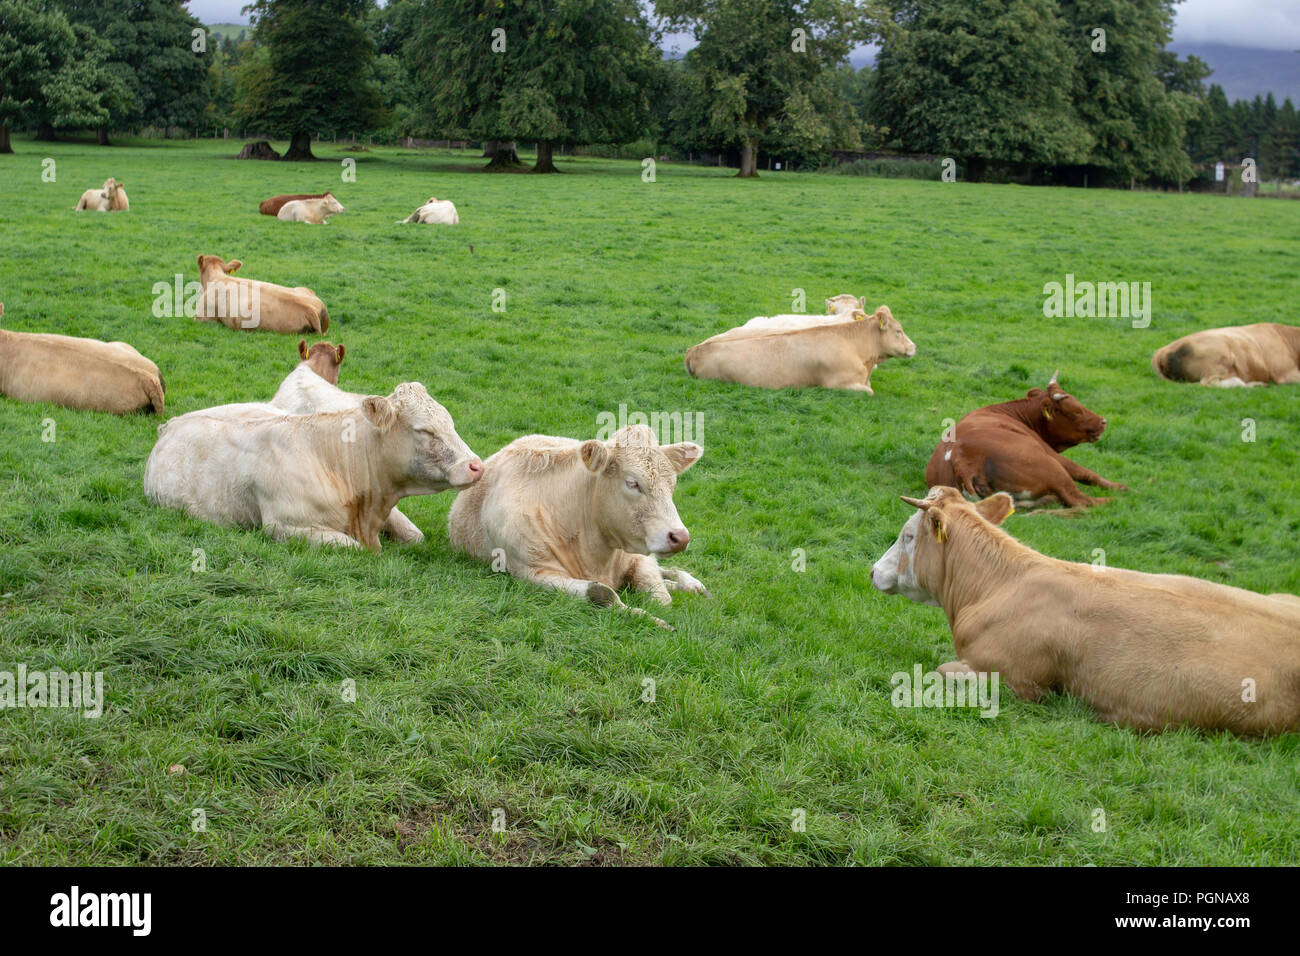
column 35, row 45
column 980, row 82
column 758, row 74
column 86, row 92
column 553, row 71
column 312, row 72
column 152, row 50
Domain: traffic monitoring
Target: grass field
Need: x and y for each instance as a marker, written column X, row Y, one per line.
column 476, row 692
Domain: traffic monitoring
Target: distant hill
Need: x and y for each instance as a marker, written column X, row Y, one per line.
column 232, row 30
column 1244, row 71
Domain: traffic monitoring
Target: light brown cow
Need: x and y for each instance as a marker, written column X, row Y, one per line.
column 1240, row 355
column 332, row 478
column 830, row 355
column 1147, row 651
column 272, row 206
column 314, row 211
column 78, row 373
column 111, row 197
column 249, row 304
column 586, row 517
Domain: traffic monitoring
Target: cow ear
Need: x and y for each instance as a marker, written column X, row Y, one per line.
column 862, row 302
column 1033, row 393
column 682, row 455
column 938, row 527
column 338, row 354
column 233, row 266
column 200, row 259
column 595, row 455
column 995, row 509
column 379, row 411
column 302, row 349
column 828, row 305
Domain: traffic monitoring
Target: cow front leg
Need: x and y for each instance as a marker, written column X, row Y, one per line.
column 316, row 535
column 401, row 528
column 601, row 595
column 644, row 575
column 1088, row 476
column 675, row 579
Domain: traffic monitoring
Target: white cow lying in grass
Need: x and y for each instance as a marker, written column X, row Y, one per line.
column 585, row 517
column 435, row 213
column 313, row 387
column 841, row 308
column 314, row 211
column 332, row 478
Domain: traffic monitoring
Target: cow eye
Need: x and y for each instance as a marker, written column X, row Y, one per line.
column 632, row 484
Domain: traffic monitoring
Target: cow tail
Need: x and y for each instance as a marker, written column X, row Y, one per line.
column 689, row 371
column 324, row 320
column 156, row 389
column 1158, row 363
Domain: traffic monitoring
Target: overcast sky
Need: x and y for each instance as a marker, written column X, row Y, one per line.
column 1274, row 24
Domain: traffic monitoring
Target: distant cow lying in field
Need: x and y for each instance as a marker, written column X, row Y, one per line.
column 249, row 304
column 314, row 211
column 436, row 213
column 78, row 373
column 272, row 206
column 1240, row 355
column 313, row 387
column 1148, row 651
column 1015, row 447
column 586, row 517
column 839, row 353
column 110, row 197
column 845, row 303
column 332, row 478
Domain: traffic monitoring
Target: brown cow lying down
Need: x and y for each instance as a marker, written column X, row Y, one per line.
column 248, row 304
column 830, row 355
column 1147, row 651
column 313, row 387
column 332, row 478
column 583, row 517
column 271, row 207
column 78, row 373
column 111, row 197
column 1234, row 356
column 1015, row 447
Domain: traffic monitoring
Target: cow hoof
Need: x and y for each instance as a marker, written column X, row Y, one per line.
column 602, row 595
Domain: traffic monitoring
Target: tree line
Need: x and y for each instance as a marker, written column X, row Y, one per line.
column 1064, row 88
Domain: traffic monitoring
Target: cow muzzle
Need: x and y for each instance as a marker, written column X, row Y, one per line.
column 467, row 472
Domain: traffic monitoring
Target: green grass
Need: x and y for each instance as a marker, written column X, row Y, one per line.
column 476, row 691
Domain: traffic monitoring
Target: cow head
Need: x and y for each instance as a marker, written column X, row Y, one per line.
column 330, row 205
column 216, row 263
column 420, row 441
column 913, row 567
column 893, row 340
column 111, row 186
column 1061, row 418
column 323, row 359
column 432, row 199
column 635, row 478
column 844, row 303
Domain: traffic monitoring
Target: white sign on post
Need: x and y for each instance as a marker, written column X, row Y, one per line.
column 1218, row 172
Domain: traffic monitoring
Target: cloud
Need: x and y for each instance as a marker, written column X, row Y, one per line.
column 1272, row 24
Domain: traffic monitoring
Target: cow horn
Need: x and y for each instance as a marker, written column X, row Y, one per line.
column 1054, row 374
column 914, row 502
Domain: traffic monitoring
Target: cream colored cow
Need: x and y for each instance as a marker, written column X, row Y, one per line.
column 1235, row 356
column 584, row 517
column 314, row 211
column 249, row 304
column 332, row 478
column 78, row 373
column 111, row 197
column 435, row 212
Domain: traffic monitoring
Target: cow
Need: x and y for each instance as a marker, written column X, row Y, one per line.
column 583, row 517
column 332, row 478
column 314, row 211
column 802, row 320
column 1236, row 356
column 845, row 303
column 78, row 373
column 1016, row 447
column 435, row 212
column 272, row 206
column 313, row 387
column 836, row 355
column 250, row 304
column 111, row 197
column 1146, row 651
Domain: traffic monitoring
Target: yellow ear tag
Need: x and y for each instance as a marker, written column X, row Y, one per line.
column 882, row 321
column 1047, row 413
column 940, row 534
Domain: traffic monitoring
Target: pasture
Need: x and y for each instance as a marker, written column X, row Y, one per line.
column 476, row 692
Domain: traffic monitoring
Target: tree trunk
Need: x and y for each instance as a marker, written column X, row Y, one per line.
column 4, row 139
column 299, row 147
column 45, row 133
column 748, row 160
column 502, row 153
column 102, row 134
column 545, row 152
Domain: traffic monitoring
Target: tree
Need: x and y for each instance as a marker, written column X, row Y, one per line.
column 982, row 82
column 34, row 46
column 86, row 92
column 554, row 71
column 312, row 72
column 756, row 76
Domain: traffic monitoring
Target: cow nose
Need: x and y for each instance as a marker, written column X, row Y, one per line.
column 679, row 539
column 475, row 467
